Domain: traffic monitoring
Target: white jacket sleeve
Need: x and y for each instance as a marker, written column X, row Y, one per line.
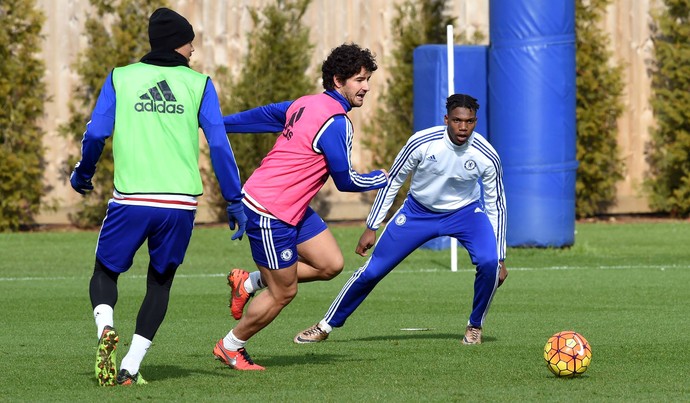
column 495, row 204
column 406, row 161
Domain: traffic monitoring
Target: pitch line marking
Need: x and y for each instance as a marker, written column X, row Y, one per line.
column 399, row 271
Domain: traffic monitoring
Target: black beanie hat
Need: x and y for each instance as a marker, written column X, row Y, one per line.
column 169, row 30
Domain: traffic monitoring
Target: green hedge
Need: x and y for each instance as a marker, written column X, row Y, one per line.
column 599, row 88
column 22, row 99
column 668, row 152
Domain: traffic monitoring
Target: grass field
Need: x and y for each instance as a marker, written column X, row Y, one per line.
column 623, row 286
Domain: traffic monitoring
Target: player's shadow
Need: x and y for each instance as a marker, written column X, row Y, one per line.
column 167, row 371
column 420, row 335
column 426, row 335
column 308, row 357
column 301, row 357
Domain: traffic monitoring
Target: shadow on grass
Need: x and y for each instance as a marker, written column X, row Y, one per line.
column 216, row 368
column 411, row 335
column 304, row 354
column 167, row 371
column 416, row 335
column 307, row 357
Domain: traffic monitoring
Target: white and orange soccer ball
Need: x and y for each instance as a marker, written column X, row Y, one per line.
column 567, row 354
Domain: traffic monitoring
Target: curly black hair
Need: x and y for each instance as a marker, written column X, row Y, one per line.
column 344, row 62
column 461, row 101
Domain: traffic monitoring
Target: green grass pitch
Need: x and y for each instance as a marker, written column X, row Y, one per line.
column 625, row 287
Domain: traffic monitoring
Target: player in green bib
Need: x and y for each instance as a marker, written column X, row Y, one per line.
column 152, row 110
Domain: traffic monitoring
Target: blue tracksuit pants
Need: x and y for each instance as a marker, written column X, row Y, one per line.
column 411, row 227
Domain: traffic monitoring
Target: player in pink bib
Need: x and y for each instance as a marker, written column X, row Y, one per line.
column 290, row 243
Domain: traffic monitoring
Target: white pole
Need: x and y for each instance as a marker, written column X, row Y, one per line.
column 451, row 90
column 451, row 60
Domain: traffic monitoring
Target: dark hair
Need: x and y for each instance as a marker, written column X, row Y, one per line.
column 344, row 62
column 461, row 101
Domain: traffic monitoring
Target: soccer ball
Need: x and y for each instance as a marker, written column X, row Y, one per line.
column 567, row 354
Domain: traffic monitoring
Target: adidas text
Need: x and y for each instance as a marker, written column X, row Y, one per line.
column 160, row 107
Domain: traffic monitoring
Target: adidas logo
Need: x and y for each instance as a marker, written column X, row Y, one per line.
column 160, row 99
column 431, row 158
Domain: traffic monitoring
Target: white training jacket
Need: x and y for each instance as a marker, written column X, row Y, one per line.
column 446, row 178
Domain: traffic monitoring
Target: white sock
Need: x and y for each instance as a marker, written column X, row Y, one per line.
column 135, row 355
column 254, row 282
column 103, row 315
column 232, row 343
column 325, row 326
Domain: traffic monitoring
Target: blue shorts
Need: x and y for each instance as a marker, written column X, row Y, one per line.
column 125, row 228
column 274, row 242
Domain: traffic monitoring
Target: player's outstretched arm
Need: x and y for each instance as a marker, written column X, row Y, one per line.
column 335, row 143
column 366, row 241
column 263, row 119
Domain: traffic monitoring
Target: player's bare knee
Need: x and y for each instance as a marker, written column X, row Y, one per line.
column 333, row 269
column 284, row 296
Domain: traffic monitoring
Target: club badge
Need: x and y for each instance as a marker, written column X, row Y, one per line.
column 286, row 255
column 400, row 219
